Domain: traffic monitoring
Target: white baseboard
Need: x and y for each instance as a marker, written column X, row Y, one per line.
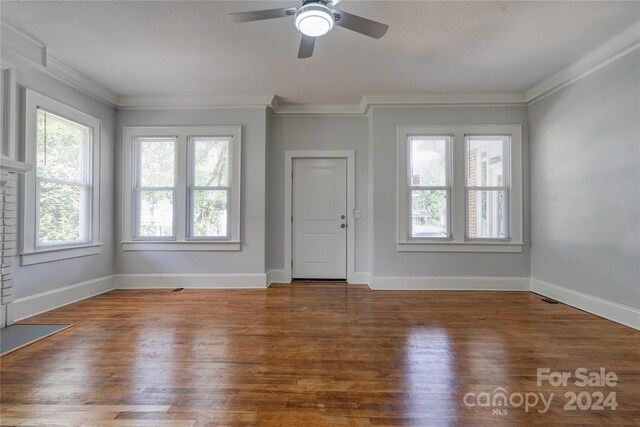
column 359, row 278
column 46, row 301
column 619, row 313
column 194, row 281
column 408, row 283
column 277, row 276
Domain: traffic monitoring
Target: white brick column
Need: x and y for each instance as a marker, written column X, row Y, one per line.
column 8, row 202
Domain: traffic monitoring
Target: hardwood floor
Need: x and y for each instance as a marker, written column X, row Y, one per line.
column 313, row 354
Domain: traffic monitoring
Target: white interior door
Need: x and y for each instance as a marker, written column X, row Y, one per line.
column 319, row 219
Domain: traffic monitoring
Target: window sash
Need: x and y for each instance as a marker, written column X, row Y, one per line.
column 192, row 188
column 447, row 214
column 87, row 167
column 138, row 213
column 85, row 184
column 191, row 207
column 447, row 187
column 507, row 223
column 85, row 215
column 137, row 158
column 506, row 179
column 138, row 189
column 191, row 172
column 62, row 181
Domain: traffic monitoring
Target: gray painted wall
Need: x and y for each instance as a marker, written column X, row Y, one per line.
column 585, row 153
column 387, row 261
column 289, row 133
column 585, row 148
column 44, row 277
column 251, row 259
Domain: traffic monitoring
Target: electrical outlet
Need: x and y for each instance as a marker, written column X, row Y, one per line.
column 357, row 213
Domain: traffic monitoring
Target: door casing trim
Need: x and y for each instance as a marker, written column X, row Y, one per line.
column 349, row 155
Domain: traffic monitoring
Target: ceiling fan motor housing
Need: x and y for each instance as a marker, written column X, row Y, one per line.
column 314, row 19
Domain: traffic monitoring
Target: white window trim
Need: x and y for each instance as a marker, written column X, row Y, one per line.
column 31, row 254
column 8, row 120
column 181, row 241
column 458, row 242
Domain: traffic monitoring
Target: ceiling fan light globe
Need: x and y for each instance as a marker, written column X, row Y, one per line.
column 314, row 20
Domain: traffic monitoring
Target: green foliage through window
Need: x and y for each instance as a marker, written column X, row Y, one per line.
column 63, row 170
column 429, row 182
column 210, row 193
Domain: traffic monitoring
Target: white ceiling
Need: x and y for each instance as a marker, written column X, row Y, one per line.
column 191, row 48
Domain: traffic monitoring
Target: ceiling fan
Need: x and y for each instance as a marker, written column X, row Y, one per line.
column 316, row 18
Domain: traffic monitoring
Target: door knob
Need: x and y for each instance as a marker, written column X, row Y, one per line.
column 343, row 225
column 341, row 216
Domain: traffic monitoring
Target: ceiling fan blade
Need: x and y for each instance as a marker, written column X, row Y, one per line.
column 333, row 3
column 361, row 25
column 306, row 47
column 258, row 15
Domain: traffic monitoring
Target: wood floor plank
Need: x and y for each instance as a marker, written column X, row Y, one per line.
column 311, row 354
column 85, row 408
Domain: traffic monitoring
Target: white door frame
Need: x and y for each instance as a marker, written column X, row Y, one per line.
column 349, row 155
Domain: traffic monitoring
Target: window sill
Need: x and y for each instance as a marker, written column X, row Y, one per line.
column 219, row 246
column 58, row 254
column 448, row 246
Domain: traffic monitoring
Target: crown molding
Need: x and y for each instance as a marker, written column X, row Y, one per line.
column 65, row 74
column 447, row 99
column 20, row 50
column 191, row 102
column 368, row 101
column 278, row 109
column 608, row 52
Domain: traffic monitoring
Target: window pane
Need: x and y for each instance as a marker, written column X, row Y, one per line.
column 428, row 161
column 428, row 213
column 210, row 213
column 62, row 214
column 156, row 213
column 485, row 161
column 211, row 162
column 486, row 217
column 62, row 148
column 157, row 162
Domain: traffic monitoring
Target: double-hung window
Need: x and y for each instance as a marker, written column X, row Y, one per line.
column 182, row 188
column 61, row 192
column 460, row 188
column 209, row 187
column 487, row 186
column 155, row 188
column 429, row 185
